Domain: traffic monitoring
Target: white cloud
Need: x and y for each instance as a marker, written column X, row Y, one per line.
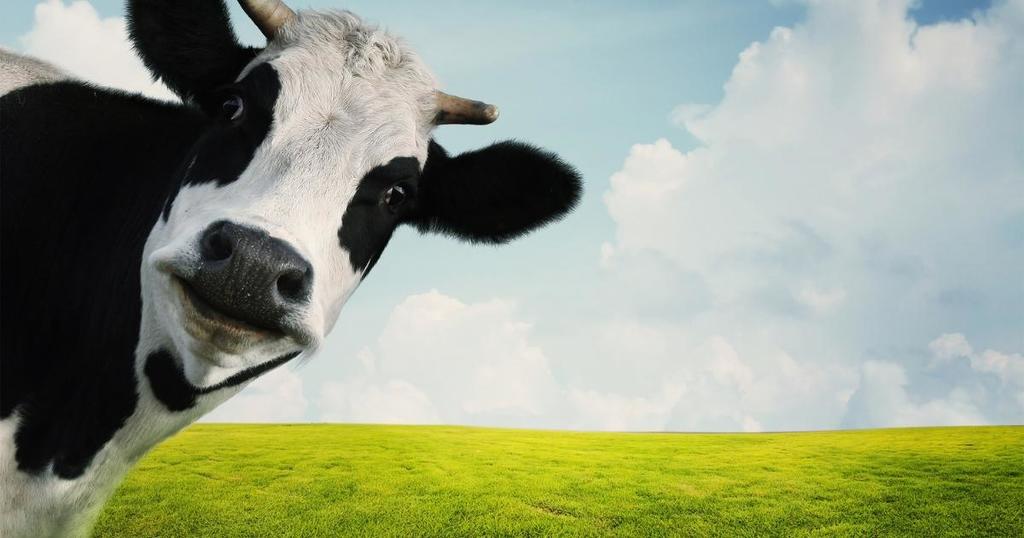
column 439, row 359
column 651, row 178
column 277, row 396
column 821, row 300
column 687, row 113
column 833, row 132
column 725, row 389
column 856, row 189
column 600, row 411
column 949, row 346
column 388, row 402
column 1008, row 367
column 882, row 400
column 74, row 37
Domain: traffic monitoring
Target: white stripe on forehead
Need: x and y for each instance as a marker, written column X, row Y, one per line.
column 342, row 44
column 356, row 91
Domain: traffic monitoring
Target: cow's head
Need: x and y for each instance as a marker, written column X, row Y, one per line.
column 319, row 146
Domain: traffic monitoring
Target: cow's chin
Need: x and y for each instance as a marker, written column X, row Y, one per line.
column 216, row 338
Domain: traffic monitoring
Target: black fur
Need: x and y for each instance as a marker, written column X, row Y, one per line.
column 226, row 149
column 368, row 223
column 84, row 175
column 173, row 389
column 188, row 44
column 494, row 194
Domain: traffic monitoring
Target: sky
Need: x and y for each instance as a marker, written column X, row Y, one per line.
column 798, row 215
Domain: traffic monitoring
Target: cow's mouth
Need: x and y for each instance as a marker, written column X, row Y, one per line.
column 210, row 326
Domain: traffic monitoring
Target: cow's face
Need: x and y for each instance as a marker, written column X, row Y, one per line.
column 316, row 151
column 313, row 158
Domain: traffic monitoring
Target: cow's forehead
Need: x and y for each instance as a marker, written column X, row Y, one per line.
column 333, row 57
column 352, row 96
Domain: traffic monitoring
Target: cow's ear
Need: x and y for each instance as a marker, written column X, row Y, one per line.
column 494, row 194
column 188, row 44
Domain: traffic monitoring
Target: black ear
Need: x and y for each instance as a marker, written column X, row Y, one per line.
column 188, row 44
column 494, row 194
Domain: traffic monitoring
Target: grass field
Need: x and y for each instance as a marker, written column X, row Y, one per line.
column 328, row 480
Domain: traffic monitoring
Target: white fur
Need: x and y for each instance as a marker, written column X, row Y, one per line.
column 352, row 98
column 17, row 71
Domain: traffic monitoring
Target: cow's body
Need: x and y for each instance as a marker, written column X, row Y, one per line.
column 159, row 256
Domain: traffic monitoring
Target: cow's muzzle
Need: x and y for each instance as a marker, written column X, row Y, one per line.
column 243, row 274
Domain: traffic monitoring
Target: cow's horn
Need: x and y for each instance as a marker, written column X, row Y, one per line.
column 268, row 15
column 452, row 109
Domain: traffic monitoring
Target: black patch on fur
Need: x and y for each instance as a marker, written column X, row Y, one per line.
column 168, row 381
column 188, row 44
column 172, row 388
column 226, row 148
column 494, row 194
column 368, row 223
column 85, row 172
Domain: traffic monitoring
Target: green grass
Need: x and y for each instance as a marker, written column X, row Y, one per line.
column 327, row 480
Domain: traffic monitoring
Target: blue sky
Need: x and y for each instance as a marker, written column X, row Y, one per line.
column 796, row 216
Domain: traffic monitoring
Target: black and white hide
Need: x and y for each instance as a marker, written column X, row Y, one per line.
column 156, row 257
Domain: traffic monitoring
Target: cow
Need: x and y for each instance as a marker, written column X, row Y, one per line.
column 158, row 256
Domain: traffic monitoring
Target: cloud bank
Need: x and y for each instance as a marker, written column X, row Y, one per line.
column 858, row 190
column 852, row 210
column 442, row 360
column 844, row 237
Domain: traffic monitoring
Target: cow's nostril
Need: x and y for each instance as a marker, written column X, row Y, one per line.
column 216, row 245
column 292, row 284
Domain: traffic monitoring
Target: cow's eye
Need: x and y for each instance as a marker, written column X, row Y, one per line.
column 394, row 197
column 233, row 107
